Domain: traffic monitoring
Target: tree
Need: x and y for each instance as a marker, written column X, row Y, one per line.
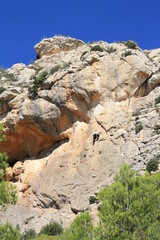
column 130, row 207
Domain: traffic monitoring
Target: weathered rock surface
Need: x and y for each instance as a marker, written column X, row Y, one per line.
column 56, row 166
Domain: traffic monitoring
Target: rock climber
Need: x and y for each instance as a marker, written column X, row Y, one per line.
column 95, row 136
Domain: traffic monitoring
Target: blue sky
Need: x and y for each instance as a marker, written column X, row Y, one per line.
column 24, row 23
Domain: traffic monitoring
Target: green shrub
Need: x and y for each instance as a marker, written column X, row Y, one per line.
column 38, row 81
column 47, row 237
column 129, row 44
column 97, row 48
column 152, row 164
column 28, row 234
column 157, row 100
column 8, row 232
column 80, row 229
column 111, row 50
column 83, row 54
column 138, row 127
column 2, row 89
column 7, row 194
column 4, row 73
column 127, row 53
column 92, row 199
column 55, row 69
column 52, row 228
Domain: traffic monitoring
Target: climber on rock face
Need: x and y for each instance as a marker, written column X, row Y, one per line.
column 95, row 136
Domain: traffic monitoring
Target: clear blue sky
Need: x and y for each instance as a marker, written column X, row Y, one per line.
column 23, row 23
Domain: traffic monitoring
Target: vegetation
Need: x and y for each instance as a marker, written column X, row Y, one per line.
column 97, row 48
column 111, row 50
column 127, row 53
column 37, row 83
column 81, row 228
column 55, row 69
column 4, row 73
column 28, row 234
column 2, row 89
column 7, row 190
column 129, row 210
column 130, row 207
column 138, row 127
column 58, row 67
column 157, row 100
column 83, row 54
column 8, row 232
column 153, row 163
column 92, row 199
column 130, row 44
column 52, row 229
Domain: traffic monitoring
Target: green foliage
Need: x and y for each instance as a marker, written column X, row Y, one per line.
column 28, row 234
column 7, row 194
column 130, row 207
column 97, row 48
column 129, row 44
column 2, row 89
column 4, row 73
column 83, row 54
column 8, row 232
column 127, row 53
column 111, row 50
column 37, row 83
column 7, row 190
column 153, row 163
column 80, row 228
column 59, row 67
column 55, row 69
column 52, row 228
column 92, row 199
column 138, row 127
column 157, row 100
column 46, row 237
column 3, row 165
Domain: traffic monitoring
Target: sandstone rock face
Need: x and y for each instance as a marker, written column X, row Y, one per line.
column 55, row 165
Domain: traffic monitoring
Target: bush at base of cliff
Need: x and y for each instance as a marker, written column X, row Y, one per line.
column 81, row 228
column 152, row 164
column 45, row 237
column 8, row 232
column 28, row 234
column 52, row 229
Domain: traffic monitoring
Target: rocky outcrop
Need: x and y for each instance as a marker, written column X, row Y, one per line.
column 49, row 46
column 50, row 110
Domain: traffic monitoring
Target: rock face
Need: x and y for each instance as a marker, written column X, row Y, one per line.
column 49, row 124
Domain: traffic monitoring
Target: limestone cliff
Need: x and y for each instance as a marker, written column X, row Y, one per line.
column 50, row 110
